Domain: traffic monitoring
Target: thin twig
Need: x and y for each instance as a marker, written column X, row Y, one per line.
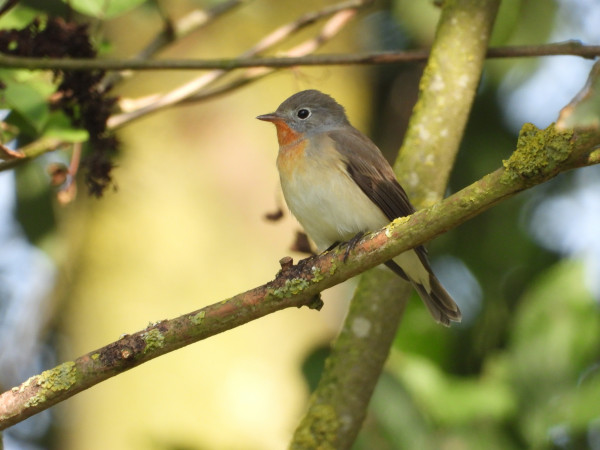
column 173, row 31
column 68, row 191
column 569, row 48
column 191, row 22
column 330, row 29
column 298, row 285
column 342, row 13
column 32, row 150
column 7, row 153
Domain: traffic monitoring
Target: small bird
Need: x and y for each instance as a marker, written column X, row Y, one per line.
column 338, row 184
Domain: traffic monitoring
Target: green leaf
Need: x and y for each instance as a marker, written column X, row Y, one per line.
column 26, row 95
column 59, row 126
column 26, row 100
column 104, row 9
column 18, row 17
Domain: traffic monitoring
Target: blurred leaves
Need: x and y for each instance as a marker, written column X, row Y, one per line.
column 106, row 9
column 73, row 100
column 452, row 401
column 545, row 382
column 27, row 96
column 59, row 126
column 552, row 353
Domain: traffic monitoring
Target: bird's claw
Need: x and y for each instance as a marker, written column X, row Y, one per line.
column 352, row 243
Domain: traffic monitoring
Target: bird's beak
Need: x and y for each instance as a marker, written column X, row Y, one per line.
column 271, row 117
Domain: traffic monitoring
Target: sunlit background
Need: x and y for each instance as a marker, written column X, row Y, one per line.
column 185, row 227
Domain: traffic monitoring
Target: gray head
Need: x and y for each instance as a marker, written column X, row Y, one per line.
column 309, row 112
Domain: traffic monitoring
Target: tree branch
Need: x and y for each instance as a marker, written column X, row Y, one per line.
column 540, row 155
column 572, row 48
column 446, row 93
column 191, row 22
column 32, row 150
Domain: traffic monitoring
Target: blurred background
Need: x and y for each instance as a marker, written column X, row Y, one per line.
column 184, row 226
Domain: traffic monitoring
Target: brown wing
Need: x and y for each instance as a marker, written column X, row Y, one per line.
column 370, row 170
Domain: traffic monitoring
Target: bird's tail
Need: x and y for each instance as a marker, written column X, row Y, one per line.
column 414, row 267
column 438, row 302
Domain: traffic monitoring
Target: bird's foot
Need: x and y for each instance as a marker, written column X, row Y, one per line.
column 352, row 243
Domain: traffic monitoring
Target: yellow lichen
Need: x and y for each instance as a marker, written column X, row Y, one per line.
column 291, row 287
column 51, row 381
column 391, row 228
column 537, row 154
column 198, row 318
column 318, row 430
column 154, row 340
column 317, row 275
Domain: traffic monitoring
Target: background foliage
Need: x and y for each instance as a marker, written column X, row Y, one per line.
column 184, row 227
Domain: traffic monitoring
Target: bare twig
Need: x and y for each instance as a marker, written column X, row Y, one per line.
column 298, row 285
column 174, row 31
column 342, row 13
column 192, row 21
column 331, row 28
column 32, row 150
column 570, row 48
column 7, row 153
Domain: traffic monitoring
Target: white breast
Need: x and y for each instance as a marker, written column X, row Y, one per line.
column 324, row 198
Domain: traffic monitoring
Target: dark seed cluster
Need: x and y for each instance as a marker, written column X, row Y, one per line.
column 78, row 94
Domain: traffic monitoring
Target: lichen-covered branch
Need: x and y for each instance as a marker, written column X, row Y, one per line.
column 299, row 285
column 338, row 406
column 446, row 94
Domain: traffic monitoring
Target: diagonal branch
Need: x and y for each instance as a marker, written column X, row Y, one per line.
column 540, row 155
column 174, row 31
column 32, row 150
column 341, row 14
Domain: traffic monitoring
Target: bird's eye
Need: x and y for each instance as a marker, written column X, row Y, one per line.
column 303, row 113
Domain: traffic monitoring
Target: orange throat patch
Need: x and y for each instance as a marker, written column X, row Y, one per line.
column 291, row 159
column 285, row 135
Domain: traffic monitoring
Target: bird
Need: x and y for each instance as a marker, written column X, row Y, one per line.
column 338, row 185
